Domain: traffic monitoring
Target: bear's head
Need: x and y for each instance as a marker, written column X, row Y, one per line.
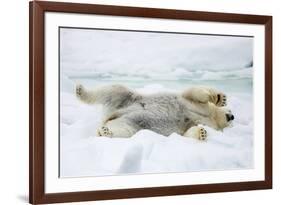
column 222, row 117
column 216, row 117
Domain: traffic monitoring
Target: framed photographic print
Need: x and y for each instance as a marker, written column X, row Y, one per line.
column 139, row 102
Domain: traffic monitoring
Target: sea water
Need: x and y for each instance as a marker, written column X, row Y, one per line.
column 244, row 85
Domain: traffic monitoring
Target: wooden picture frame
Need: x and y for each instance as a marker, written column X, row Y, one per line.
column 37, row 10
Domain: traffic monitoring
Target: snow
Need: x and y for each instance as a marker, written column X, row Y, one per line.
column 85, row 154
column 108, row 54
column 150, row 63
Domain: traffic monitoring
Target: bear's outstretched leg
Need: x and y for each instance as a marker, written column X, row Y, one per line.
column 111, row 96
column 116, row 128
column 205, row 94
column 196, row 132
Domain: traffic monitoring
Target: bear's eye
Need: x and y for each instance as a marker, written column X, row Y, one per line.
column 186, row 119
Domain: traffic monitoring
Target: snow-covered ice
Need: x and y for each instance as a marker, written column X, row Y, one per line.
column 85, row 154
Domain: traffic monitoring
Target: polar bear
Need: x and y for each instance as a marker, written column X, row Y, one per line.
column 127, row 112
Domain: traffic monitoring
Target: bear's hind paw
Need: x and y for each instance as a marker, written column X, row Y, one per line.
column 79, row 90
column 104, row 131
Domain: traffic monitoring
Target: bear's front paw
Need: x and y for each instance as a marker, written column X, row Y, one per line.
column 221, row 100
column 104, row 131
column 196, row 132
column 79, row 90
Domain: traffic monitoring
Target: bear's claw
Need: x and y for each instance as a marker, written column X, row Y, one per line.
column 79, row 90
column 221, row 100
column 202, row 134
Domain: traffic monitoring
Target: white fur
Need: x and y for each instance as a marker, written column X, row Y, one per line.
column 127, row 111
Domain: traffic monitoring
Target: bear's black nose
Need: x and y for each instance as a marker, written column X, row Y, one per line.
column 229, row 117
